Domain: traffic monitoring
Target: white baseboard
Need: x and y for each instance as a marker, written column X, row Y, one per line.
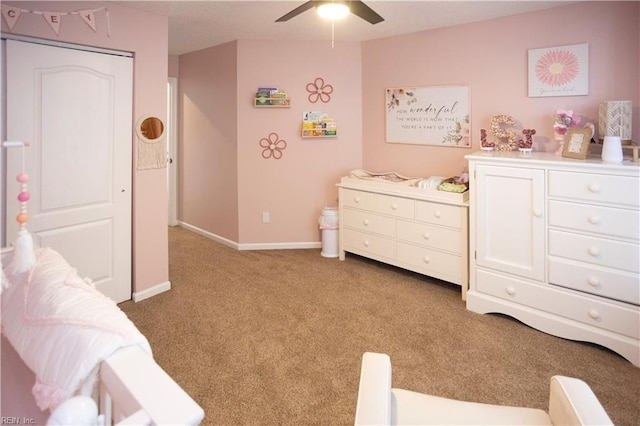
column 153, row 291
column 250, row 246
column 279, row 246
column 166, row 286
column 209, row 235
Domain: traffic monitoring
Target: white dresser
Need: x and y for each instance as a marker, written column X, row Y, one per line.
column 421, row 230
column 555, row 243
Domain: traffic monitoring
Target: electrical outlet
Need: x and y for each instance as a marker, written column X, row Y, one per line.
column 265, row 217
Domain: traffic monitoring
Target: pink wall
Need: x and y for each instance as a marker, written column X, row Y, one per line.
column 295, row 188
column 491, row 58
column 226, row 184
column 207, row 156
column 145, row 35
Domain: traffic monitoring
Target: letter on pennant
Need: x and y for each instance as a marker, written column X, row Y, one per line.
column 11, row 15
column 89, row 18
column 53, row 19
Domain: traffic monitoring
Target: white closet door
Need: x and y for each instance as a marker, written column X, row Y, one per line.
column 75, row 109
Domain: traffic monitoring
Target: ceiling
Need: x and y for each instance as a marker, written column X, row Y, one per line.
column 195, row 25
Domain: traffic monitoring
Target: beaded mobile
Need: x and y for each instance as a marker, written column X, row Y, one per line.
column 23, row 251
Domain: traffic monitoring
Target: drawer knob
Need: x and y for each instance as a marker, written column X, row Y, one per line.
column 366, row 222
column 593, row 313
column 394, row 206
column 594, row 187
column 593, row 282
column 356, row 200
column 594, row 220
column 537, row 212
column 593, row 251
column 367, row 243
column 511, row 291
column 426, row 259
column 426, row 236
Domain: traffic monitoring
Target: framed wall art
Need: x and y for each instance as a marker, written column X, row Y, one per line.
column 559, row 71
column 431, row 115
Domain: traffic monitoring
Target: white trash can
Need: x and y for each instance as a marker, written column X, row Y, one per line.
column 329, row 226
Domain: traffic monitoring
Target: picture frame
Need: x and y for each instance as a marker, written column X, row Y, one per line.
column 428, row 115
column 577, row 142
column 559, row 71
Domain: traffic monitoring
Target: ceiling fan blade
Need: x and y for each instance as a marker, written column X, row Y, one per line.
column 298, row 10
column 360, row 9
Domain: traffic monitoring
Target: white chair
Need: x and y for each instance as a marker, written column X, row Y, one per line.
column 571, row 402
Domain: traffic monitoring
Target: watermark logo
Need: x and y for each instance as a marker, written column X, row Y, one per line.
column 16, row 420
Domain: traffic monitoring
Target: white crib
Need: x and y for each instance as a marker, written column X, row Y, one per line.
column 131, row 388
column 136, row 390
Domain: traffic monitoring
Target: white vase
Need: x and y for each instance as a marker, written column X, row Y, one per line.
column 612, row 149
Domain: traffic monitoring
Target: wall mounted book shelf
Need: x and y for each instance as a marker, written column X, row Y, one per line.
column 271, row 102
column 316, row 124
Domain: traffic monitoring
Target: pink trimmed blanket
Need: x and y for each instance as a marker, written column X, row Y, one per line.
column 62, row 328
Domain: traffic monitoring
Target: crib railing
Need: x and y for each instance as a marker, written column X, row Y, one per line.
column 134, row 389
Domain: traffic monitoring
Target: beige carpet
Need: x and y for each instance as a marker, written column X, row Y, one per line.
column 276, row 337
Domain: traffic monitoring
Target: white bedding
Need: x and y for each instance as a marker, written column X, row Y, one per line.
column 62, row 327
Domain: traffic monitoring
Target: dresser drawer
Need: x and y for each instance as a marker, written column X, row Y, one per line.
column 607, row 189
column 431, row 261
column 615, row 222
column 571, row 305
column 363, row 243
column 430, row 236
column 359, row 199
column 599, row 251
column 609, row 283
column 369, row 222
column 441, row 214
column 395, row 206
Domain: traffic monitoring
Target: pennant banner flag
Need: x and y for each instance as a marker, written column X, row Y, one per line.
column 11, row 15
column 53, row 19
column 89, row 18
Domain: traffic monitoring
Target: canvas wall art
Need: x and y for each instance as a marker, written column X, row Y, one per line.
column 433, row 115
column 559, row 71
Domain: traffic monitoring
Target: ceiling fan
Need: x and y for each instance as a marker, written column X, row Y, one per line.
column 356, row 7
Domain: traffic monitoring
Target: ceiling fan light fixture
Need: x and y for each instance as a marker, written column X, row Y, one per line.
column 333, row 10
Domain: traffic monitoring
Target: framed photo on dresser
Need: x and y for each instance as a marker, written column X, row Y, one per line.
column 576, row 144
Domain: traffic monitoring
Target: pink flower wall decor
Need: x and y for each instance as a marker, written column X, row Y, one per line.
column 557, row 68
column 318, row 90
column 559, row 71
column 272, row 146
